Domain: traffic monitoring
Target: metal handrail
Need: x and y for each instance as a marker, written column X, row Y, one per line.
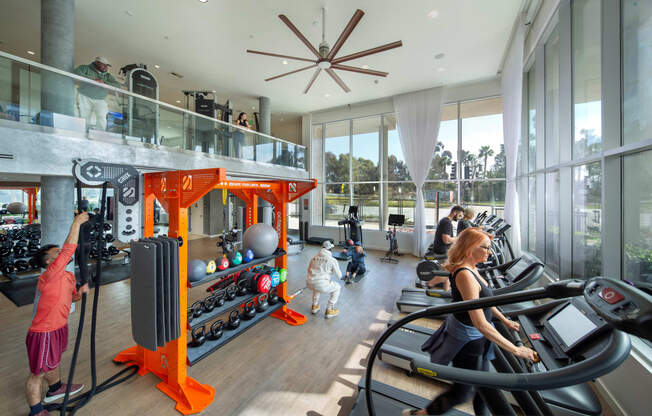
column 140, row 97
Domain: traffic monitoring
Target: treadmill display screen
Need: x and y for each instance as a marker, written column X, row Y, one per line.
column 571, row 325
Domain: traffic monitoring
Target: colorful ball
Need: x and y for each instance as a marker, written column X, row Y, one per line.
column 211, row 267
column 284, row 275
column 196, row 270
column 276, row 278
column 249, row 256
column 236, row 258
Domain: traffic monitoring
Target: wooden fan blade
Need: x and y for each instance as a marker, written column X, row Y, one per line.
column 345, row 33
column 296, row 31
column 360, row 70
column 371, row 51
column 281, row 56
column 292, row 72
column 338, row 80
column 312, row 80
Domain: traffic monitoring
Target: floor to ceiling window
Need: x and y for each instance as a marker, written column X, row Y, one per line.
column 587, row 220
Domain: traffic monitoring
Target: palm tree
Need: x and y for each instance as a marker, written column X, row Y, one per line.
column 485, row 152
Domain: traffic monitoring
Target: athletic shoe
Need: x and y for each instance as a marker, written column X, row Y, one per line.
column 331, row 313
column 315, row 309
column 348, row 281
column 43, row 413
column 408, row 412
column 56, row 395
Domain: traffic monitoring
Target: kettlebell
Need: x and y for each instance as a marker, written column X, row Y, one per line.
column 197, row 309
column 209, row 303
column 211, row 267
column 198, row 337
column 223, row 263
column 234, row 319
column 231, row 291
column 243, row 287
column 191, row 314
column 273, row 297
column 262, row 303
column 216, row 331
column 236, row 258
column 249, row 310
column 219, row 298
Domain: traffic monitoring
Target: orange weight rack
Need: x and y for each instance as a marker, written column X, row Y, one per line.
column 176, row 191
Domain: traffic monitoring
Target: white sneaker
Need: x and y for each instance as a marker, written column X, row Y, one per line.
column 331, row 313
column 315, row 309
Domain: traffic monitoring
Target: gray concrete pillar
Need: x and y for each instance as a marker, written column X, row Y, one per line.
column 267, row 211
column 57, row 205
column 58, row 50
column 265, row 108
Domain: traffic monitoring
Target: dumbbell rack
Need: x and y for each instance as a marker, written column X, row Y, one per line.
column 176, row 191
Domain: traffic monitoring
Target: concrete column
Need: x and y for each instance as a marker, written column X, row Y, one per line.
column 57, row 196
column 268, row 211
column 57, row 50
column 265, row 108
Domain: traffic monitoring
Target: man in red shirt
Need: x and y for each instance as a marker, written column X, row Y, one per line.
column 47, row 337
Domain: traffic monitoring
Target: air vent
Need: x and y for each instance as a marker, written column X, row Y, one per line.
column 176, row 74
column 7, row 156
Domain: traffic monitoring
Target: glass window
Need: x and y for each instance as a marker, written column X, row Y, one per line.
column 446, row 148
column 637, row 70
column 532, row 119
column 293, row 215
column 367, row 197
column 439, row 197
column 552, row 98
column 587, row 220
column 337, row 199
column 552, row 220
column 400, row 200
column 522, row 184
column 396, row 167
column 637, row 217
column 366, row 155
column 336, row 152
column 484, row 196
column 587, row 97
column 532, row 214
column 483, row 151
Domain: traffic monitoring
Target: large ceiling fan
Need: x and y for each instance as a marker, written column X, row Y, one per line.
column 326, row 59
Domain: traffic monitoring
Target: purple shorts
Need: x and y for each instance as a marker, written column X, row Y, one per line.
column 44, row 349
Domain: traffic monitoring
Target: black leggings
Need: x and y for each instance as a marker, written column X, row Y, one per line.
column 355, row 268
column 471, row 358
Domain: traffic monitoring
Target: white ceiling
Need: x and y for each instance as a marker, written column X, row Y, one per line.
column 206, row 42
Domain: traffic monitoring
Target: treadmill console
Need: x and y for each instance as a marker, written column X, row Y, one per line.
column 573, row 323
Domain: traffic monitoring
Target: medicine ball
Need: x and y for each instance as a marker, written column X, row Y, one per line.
column 16, row 208
column 236, row 258
column 261, row 238
column 249, row 256
column 211, row 267
column 284, row 275
column 223, row 263
column 196, row 270
column 276, row 278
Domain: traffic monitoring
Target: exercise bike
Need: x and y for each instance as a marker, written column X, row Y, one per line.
column 394, row 221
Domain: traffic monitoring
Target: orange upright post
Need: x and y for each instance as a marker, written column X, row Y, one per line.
column 31, row 203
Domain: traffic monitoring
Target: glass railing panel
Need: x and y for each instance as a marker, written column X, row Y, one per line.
column 36, row 94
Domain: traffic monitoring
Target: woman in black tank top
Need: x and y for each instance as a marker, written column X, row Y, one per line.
column 471, row 347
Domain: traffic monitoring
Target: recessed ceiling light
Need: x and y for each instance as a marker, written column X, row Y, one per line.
column 253, row 108
column 129, row 13
column 30, row 52
column 213, row 91
column 441, row 69
column 285, row 62
column 157, row 66
column 327, row 95
column 365, row 66
column 440, row 55
column 203, row 1
column 376, row 81
column 179, row 101
column 433, row 14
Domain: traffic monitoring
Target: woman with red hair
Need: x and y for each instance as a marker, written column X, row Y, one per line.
column 467, row 338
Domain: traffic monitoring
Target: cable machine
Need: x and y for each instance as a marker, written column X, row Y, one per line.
column 205, row 135
column 143, row 115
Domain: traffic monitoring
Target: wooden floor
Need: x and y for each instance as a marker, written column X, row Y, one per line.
column 272, row 369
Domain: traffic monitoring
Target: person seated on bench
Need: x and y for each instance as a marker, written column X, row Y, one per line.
column 466, row 222
column 444, row 234
column 356, row 266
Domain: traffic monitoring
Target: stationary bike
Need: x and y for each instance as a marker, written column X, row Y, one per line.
column 394, row 221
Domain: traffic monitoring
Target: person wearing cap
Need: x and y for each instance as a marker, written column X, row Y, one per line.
column 320, row 269
column 356, row 266
column 91, row 99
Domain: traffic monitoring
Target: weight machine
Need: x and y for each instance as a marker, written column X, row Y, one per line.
column 209, row 137
column 142, row 115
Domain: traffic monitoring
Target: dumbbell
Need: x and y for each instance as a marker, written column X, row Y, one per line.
column 34, row 263
column 8, row 268
column 113, row 250
column 22, row 265
column 109, row 238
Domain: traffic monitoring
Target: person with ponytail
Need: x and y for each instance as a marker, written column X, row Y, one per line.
column 467, row 338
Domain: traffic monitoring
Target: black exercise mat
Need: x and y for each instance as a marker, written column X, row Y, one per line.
column 174, row 281
column 144, row 288
column 21, row 291
column 167, row 288
column 160, row 293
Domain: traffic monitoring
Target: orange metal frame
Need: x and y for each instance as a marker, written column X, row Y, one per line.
column 176, row 191
column 31, row 201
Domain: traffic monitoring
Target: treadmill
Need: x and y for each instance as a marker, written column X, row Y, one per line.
column 574, row 348
column 412, row 300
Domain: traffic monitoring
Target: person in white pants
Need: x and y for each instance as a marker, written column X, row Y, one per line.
column 320, row 269
column 90, row 108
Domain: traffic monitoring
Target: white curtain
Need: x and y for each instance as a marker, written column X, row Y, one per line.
column 512, row 86
column 418, row 115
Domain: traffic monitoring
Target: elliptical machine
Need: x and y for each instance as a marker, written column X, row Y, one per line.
column 394, row 221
